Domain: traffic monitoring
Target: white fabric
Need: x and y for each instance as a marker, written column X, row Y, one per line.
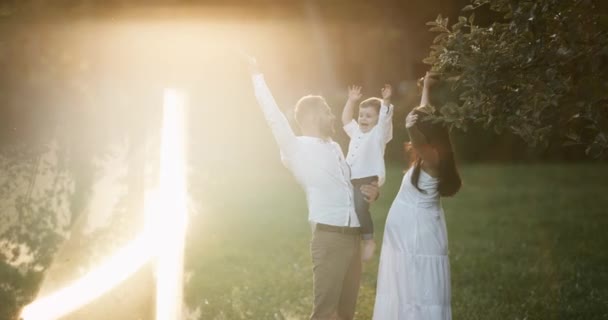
column 366, row 149
column 319, row 166
column 414, row 271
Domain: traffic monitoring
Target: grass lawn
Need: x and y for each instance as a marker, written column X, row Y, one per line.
column 526, row 242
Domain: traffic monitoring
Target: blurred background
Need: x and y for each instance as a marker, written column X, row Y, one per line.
column 87, row 69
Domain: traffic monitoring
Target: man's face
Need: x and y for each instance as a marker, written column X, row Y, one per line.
column 368, row 118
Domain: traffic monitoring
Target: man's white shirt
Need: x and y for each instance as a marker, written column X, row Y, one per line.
column 319, row 166
column 366, row 149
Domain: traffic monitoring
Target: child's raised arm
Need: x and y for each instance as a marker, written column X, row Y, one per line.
column 385, row 118
column 386, row 92
column 354, row 94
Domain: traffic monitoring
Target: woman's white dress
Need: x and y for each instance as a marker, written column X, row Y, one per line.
column 414, row 271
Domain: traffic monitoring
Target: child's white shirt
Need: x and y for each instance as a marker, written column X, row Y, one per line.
column 366, row 149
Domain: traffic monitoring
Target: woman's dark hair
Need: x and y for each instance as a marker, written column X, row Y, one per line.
column 438, row 137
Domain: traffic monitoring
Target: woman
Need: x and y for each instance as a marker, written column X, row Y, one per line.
column 414, row 272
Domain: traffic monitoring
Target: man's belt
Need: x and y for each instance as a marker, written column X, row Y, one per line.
column 343, row 230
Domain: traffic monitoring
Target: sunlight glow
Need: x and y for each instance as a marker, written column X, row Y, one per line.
column 165, row 211
column 173, row 213
column 116, row 269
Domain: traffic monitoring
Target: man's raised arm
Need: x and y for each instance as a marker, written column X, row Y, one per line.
column 279, row 125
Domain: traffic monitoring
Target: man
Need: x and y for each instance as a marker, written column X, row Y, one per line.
column 318, row 164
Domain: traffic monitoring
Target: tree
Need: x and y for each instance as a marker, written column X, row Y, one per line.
column 35, row 189
column 538, row 68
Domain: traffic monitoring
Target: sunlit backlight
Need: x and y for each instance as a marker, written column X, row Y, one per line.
column 116, row 269
column 164, row 236
column 172, row 216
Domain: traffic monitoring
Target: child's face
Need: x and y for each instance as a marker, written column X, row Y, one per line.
column 368, row 118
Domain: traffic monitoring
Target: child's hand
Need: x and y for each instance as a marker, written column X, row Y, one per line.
column 387, row 91
column 354, row 93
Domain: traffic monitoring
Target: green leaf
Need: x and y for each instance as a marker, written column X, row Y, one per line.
column 437, row 29
column 573, row 136
column 519, row 69
column 457, row 26
column 440, row 37
column 429, row 60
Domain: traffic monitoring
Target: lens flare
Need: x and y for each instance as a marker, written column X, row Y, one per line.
column 163, row 237
column 173, row 214
column 116, row 269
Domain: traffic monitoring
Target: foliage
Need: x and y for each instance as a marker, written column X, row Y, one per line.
column 33, row 219
column 538, row 69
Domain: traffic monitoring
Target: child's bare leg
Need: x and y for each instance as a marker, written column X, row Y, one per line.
column 368, row 246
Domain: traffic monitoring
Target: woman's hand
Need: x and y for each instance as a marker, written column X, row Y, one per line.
column 430, row 79
column 411, row 119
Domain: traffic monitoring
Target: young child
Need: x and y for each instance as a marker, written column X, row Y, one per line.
column 368, row 138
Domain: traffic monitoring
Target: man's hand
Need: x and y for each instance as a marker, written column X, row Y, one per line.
column 253, row 65
column 370, row 191
column 387, row 91
column 354, row 93
column 251, row 61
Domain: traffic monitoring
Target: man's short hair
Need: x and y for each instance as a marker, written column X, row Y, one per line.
column 308, row 105
column 373, row 102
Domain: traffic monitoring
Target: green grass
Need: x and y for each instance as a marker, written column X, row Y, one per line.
column 526, row 242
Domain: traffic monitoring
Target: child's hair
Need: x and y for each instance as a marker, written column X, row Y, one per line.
column 373, row 102
column 308, row 105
